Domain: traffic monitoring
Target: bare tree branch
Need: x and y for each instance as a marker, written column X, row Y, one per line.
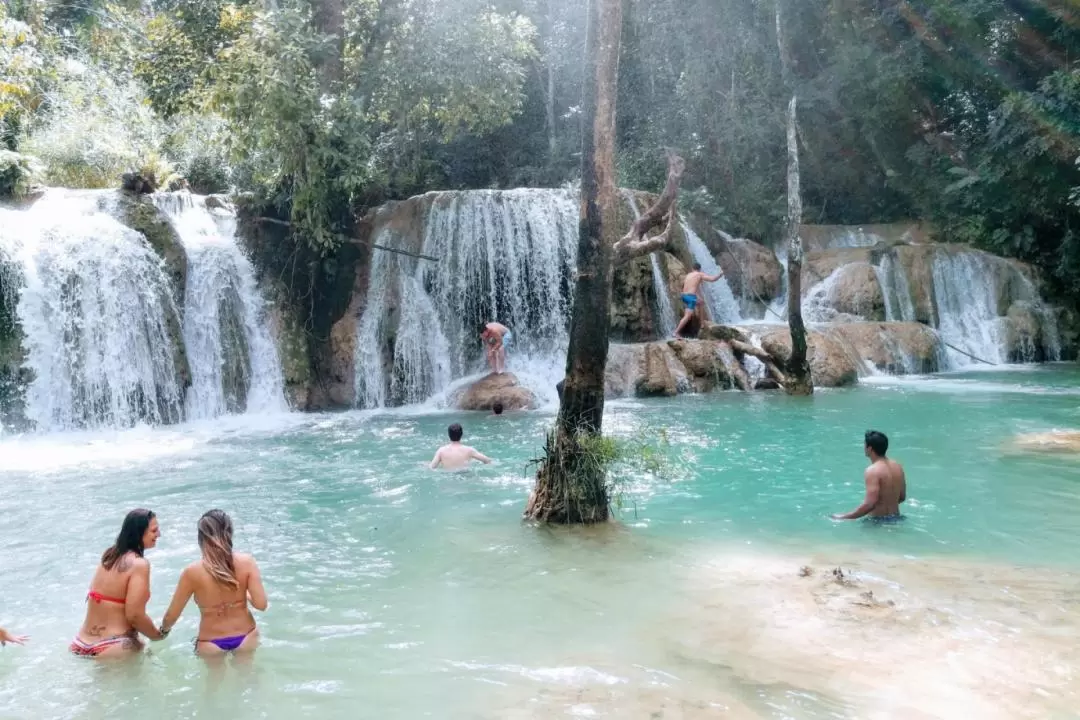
column 634, row 244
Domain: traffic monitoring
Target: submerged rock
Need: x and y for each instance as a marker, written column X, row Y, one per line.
column 491, row 389
column 1057, row 441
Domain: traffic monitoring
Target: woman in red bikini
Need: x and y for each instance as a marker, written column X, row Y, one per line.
column 223, row 583
column 116, row 603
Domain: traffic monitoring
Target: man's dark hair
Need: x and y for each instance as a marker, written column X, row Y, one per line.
column 697, row 266
column 497, row 408
column 877, row 442
column 455, row 432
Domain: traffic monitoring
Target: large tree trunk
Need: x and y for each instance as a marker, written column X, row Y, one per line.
column 571, row 481
column 799, row 380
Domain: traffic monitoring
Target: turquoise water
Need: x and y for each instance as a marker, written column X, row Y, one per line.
column 397, row 592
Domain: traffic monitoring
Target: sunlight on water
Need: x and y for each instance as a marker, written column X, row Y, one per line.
column 401, row 593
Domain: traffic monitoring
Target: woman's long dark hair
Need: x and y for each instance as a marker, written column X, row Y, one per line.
column 215, row 540
column 130, row 538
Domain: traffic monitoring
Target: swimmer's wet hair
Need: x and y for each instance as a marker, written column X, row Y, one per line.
column 455, row 432
column 877, row 442
column 697, row 266
column 497, row 408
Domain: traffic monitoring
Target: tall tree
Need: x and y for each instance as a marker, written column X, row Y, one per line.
column 799, row 379
column 571, row 483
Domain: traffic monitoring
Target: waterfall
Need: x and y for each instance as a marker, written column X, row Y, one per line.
column 506, row 256
column 967, row 308
column 723, row 307
column 899, row 306
column 95, row 309
column 665, row 314
column 234, row 361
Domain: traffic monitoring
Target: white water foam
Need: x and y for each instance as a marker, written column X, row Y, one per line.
column 94, row 308
column 506, row 256
column 226, row 332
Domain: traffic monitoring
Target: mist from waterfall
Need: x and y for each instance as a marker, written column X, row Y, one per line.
column 506, row 256
column 95, row 307
column 234, row 362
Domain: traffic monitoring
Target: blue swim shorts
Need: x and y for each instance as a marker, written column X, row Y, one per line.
column 690, row 301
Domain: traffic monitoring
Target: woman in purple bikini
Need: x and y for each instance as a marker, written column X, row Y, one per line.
column 224, row 583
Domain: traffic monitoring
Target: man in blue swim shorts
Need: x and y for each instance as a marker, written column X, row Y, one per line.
column 886, row 486
column 690, row 298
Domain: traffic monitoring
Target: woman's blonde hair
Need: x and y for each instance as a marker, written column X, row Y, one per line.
column 215, row 540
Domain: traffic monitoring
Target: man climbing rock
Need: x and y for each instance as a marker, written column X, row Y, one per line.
column 690, row 297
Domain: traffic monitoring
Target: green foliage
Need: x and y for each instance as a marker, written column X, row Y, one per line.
column 24, row 73
column 95, row 126
column 18, row 173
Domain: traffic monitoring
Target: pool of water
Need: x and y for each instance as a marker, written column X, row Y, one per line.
column 398, row 592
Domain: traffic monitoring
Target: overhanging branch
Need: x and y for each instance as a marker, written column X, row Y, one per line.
column 634, row 243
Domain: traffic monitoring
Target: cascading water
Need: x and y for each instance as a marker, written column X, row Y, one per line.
column 972, row 291
column 665, row 314
column 723, row 307
column 506, row 256
column 96, row 315
column 895, row 289
column 233, row 359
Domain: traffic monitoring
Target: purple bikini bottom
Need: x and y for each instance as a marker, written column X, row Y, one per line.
column 228, row 644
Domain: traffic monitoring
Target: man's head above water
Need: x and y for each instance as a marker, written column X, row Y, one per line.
column 455, row 432
column 876, row 444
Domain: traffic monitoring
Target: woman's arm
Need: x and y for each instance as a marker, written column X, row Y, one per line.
column 138, row 593
column 256, row 591
column 183, row 593
column 7, row 637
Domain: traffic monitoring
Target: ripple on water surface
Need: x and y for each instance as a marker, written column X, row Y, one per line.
column 397, row 592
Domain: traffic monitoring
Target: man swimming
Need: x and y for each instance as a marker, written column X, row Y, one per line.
column 691, row 287
column 886, row 486
column 454, row 455
column 496, row 338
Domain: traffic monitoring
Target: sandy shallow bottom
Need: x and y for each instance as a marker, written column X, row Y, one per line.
column 764, row 636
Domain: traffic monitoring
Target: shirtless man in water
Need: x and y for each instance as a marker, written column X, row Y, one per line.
column 496, row 338
column 454, row 455
column 691, row 287
column 886, row 486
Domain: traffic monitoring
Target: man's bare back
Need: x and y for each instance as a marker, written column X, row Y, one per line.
column 693, row 281
column 886, row 485
column 454, row 456
column 891, row 487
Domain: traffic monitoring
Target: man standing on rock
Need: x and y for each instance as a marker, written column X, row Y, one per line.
column 496, row 338
column 454, row 455
column 690, row 297
column 886, row 486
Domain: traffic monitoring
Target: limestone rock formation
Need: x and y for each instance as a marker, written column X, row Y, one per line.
column 491, row 389
column 896, row 348
column 830, row 363
column 851, row 290
column 753, row 273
